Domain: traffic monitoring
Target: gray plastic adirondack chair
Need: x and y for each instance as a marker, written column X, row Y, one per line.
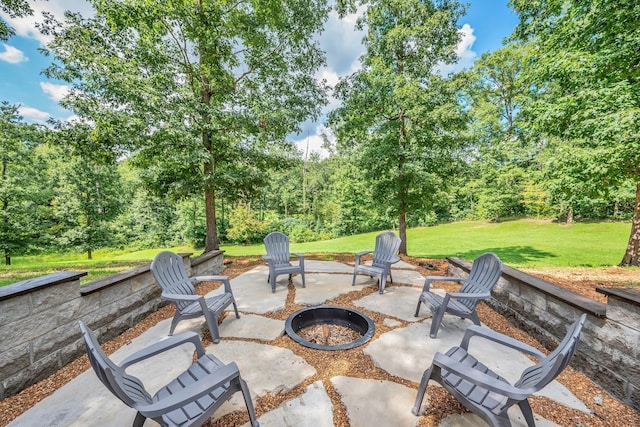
column 189, row 400
column 385, row 253
column 485, row 273
column 486, row 393
column 168, row 270
column 278, row 258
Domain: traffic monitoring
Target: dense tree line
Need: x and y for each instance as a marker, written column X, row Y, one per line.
column 184, row 110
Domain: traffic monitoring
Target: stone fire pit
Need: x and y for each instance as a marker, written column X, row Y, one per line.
column 328, row 316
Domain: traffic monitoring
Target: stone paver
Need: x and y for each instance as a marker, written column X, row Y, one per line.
column 253, row 293
column 515, row 416
column 416, row 350
column 323, row 287
column 266, row 368
column 397, row 301
column 313, row 266
column 408, row 277
column 251, row 326
column 313, row 408
column 376, row 402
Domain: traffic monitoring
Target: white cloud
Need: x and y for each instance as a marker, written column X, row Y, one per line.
column 314, row 142
column 12, row 55
column 464, row 50
column 33, row 115
column 26, row 26
column 55, row 92
column 342, row 43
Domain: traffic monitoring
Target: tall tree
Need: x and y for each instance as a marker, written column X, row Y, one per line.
column 501, row 155
column 398, row 113
column 20, row 189
column 201, row 90
column 87, row 191
column 584, row 63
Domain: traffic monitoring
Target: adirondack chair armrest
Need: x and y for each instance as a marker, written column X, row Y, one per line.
column 164, row 345
column 190, row 393
column 268, row 258
column 461, row 295
column 360, row 255
column 179, row 297
column 480, row 379
column 429, row 279
column 223, row 279
column 301, row 256
column 210, row 278
column 507, row 341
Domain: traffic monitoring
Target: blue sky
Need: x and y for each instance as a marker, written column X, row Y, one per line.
column 22, row 83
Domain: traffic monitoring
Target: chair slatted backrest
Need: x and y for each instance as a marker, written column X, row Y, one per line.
column 168, row 270
column 277, row 246
column 546, row 370
column 387, row 246
column 485, row 273
column 125, row 387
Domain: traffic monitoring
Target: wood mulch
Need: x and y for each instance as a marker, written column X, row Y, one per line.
column 606, row 411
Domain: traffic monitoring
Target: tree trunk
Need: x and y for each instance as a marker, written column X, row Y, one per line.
column 402, row 191
column 7, row 257
column 402, row 226
column 211, row 242
column 570, row 215
column 632, row 255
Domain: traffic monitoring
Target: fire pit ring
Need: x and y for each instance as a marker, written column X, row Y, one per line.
column 329, row 315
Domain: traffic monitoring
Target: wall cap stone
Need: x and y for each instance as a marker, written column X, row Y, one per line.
column 205, row 257
column 628, row 295
column 574, row 299
column 26, row 286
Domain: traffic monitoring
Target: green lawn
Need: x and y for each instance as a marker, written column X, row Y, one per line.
column 519, row 243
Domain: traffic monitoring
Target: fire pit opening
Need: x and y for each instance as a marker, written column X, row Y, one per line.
column 329, row 328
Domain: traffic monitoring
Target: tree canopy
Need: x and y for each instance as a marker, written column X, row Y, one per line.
column 197, row 91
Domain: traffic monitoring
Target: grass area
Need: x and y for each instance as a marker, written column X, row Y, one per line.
column 519, row 243
column 104, row 263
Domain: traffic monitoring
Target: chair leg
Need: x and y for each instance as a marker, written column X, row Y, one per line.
column 527, row 412
column 174, row 322
column 474, row 317
column 249, row 403
column 353, row 282
column 212, row 324
column 235, row 308
column 436, row 319
column 418, row 308
column 426, row 376
column 302, row 275
column 273, row 283
column 382, row 282
column 139, row 420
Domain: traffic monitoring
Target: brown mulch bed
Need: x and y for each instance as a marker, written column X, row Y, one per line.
column 606, row 411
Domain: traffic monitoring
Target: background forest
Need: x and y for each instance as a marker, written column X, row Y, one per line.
column 182, row 130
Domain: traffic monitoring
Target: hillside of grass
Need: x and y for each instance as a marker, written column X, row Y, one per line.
column 519, row 243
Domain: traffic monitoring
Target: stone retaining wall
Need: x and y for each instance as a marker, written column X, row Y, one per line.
column 39, row 332
column 610, row 341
